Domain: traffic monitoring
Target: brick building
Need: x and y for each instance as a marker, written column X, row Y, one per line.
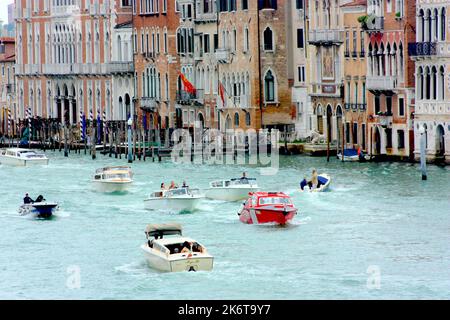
column 8, row 106
column 390, row 25
column 64, row 57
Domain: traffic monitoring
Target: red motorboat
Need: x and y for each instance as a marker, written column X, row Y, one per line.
column 267, row 207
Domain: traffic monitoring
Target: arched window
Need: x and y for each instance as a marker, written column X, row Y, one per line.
column 441, row 84
column 428, row 83
column 434, row 82
column 236, row 119
column 443, row 24
column 268, row 40
column 248, row 121
column 269, row 87
column 420, row 83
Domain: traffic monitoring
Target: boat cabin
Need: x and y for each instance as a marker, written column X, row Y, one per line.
column 269, row 199
column 233, row 182
column 21, row 153
column 113, row 173
column 179, row 192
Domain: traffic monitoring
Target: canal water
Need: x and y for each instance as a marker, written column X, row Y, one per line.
column 380, row 233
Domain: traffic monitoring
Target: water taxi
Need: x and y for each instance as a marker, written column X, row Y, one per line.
column 267, row 207
column 113, row 179
column 22, row 157
column 183, row 199
column 174, row 254
column 232, row 189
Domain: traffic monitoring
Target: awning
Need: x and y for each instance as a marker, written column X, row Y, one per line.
column 153, row 230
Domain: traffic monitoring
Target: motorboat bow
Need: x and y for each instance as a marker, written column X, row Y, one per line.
column 182, row 199
column 22, row 157
column 113, row 179
column 174, row 254
column 231, row 190
column 43, row 210
column 267, row 207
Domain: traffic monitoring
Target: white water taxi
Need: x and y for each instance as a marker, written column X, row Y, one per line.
column 113, row 179
column 179, row 199
column 231, row 190
column 174, row 254
column 22, row 157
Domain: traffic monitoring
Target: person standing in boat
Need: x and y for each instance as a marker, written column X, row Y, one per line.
column 27, row 199
column 173, row 186
column 244, row 179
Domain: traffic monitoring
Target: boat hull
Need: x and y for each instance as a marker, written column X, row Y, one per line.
column 229, row 194
column 112, row 187
column 177, row 263
column 39, row 210
column 23, row 162
column 175, row 204
column 263, row 216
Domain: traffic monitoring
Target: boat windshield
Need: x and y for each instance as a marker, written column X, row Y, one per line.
column 30, row 154
column 274, row 200
column 177, row 192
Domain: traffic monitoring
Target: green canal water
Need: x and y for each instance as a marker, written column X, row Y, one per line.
column 380, row 233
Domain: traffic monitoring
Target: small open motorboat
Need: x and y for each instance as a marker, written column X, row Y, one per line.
column 231, row 190
column 351, row 155
column 324, row 184
column 179, row 200
column 43, row 210
column 22, row 157
column 174, row 254
column 267, row 207
column 113, row 179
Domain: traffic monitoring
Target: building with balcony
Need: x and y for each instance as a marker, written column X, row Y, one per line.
column 389, row 27
column 8, row 104
column 430, row 51
column 352, row 119
column 298, row 71
column 64, row 49
column 325, row 63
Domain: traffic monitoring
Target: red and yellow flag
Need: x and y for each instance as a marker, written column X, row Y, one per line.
column 188, row 86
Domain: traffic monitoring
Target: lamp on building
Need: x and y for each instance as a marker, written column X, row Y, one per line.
column 130, row 153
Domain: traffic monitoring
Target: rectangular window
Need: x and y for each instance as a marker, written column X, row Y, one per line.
column 401, row 107
column 216, row 42
column 363, row 136
column 377, row 104
column 388, row 138
column 347, row 132
column 206, row 43
column 300, row 39
column 389, row 106
column 299, row 4
column 401, row 139
column 244, row 4
column 355, row 133
column 301, row 74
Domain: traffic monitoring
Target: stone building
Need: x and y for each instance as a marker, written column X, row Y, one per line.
column 354, row 130
column 297, row 66
column 431, row 53
column 326, row 53
column 8, row 106
column 64, row 57
column 390, row 25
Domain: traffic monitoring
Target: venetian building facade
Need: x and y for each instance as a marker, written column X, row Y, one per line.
column 354, row 127
column 431, row 53
column 64, row 54
column 155, row 25
column 252, row 58
column 8, row 105
column 390, row 25
column 297, row 66
column 326, row 38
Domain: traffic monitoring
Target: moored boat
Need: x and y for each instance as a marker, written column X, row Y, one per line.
column 22, row 157
column 232, row 189
column 113, row 179
column 352, row 155
column 267, row 207
column 174, row 254
column 182, row 199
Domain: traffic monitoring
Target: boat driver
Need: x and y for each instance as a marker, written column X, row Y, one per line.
column 244, row 178
column 27, row 199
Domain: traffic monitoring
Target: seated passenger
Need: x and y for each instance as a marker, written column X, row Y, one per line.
column 27, row 199
column 173, row 185
column 186, row 247
column 303, row 184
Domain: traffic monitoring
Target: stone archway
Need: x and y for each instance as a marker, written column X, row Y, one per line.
column 440, row 141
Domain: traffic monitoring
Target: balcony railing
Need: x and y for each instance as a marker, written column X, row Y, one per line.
column 384, row 120
column 373, row 23
column 416, row 49
column 65, row 10
column 223, row 55
column 184, row 97
column 120, row 67
column 319, row 37
column 149, row 103
column 206, row 17
column 381, row 83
